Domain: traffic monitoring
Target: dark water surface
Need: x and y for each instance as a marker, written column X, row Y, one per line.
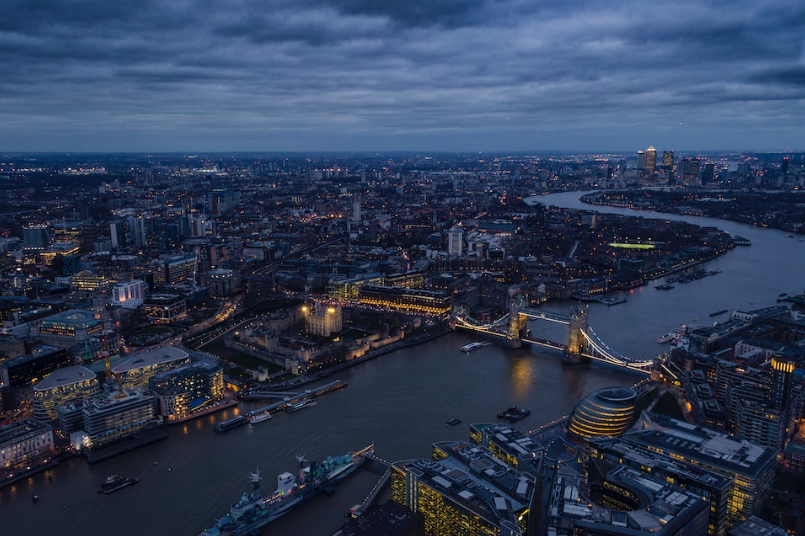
column 400, row 402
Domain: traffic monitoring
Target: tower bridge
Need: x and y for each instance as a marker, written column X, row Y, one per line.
column 582, row 340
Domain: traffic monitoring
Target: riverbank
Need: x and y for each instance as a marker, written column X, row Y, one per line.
column 419, row 338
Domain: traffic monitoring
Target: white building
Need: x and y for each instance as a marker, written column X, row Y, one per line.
column 24, row 442
column 129, row 294
column 455, row 242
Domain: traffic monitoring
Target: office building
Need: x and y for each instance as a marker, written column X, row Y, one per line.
column 690, row 171
column 668, row 160
column 509, row 445
column 35, row 238
column 68, row 328
column 220, row 201
column 465, row 491
column 608, row 453
column 455, row 242
column 749, row 467
column 620, row 502
column 23, row 370
column 404, row 299
column 23, row 444
column 115, row 416
column 177, row 269
column 65, row 385
column 117, row 233
column 165, row 308
column 137, row 234
column 129, row 294
column 222, row 283
column 651, row 160
column 185, row 389
column 641, row 160
column 754, row 526
column 607, row 412
column 136, row 371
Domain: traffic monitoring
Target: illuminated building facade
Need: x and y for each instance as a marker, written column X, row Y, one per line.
column 455, row 242
column 749, row 467
column 323, row 320
column 509, row 445
column 608, row 412
column 163, row 308
column 112, row 417
column 187, row 388
column 651, row 159
column 69, row 327
column 136, row 371
column 222, row 282
column 610, row 453
column 35, row 237
column 177, row 269
column 620, row 502
column 23, row 443
column 87, row 280
column 668, row 160
column 67, row 384
column 465, row 491
column 348, row 289
column 130, row 294
column 22, row 370
column 407, row 300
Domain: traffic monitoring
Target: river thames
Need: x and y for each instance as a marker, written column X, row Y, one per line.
column 399, row 401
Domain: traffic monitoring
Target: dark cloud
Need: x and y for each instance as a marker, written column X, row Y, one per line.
column 383, row 74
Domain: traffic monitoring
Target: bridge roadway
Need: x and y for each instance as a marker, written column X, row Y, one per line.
column 593, row 348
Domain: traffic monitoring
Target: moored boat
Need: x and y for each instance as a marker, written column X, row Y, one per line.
column 668, row 337
column 260, row 417
column 255, row 510
column 116, row 482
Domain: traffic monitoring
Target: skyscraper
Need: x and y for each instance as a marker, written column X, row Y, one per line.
column 651, row 159
column 668, row 160
column 455, row 246
column 641, row 160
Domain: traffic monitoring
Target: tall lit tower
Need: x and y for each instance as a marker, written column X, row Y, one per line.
column 641, row 160
column 455, row 242
column 781, row 372
column 651, row 159
column 668, row 160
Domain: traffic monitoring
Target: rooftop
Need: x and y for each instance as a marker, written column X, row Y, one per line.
column 151, row 358
column 64, row 376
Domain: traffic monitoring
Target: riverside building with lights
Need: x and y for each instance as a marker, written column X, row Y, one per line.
column 607, row 412
column 748, row 467
column 118, row 415
column 419, row 301
column 465, row 490
column 23, row 443
column 65, row 385
column 323, row 320
column 136, row 371
column 183, row 390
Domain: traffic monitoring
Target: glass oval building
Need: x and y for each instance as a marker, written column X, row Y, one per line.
column 607, row 412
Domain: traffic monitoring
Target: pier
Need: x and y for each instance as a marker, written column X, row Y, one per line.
column 297, row 397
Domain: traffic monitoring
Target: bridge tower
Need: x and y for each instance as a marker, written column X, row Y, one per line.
column 517, row 320
column 576, row 342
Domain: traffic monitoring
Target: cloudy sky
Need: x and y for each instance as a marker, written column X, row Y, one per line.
column 425, row 75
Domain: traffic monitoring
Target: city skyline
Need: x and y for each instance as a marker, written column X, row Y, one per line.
column 347, row 75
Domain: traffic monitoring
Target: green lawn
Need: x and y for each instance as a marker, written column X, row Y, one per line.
column 238, row 358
